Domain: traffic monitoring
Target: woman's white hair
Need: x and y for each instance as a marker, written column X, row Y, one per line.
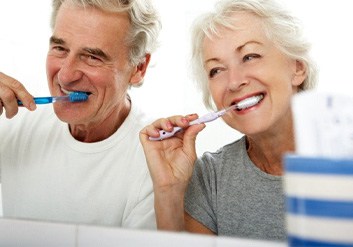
column 280, row 26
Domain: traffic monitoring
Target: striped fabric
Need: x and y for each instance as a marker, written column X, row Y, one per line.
column 319, row 199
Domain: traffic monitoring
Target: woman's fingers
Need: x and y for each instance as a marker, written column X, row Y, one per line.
column 190, row 139
column 168, row 124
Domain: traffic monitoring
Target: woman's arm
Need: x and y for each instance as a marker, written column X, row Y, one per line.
column 170, row 163
column 192, row 225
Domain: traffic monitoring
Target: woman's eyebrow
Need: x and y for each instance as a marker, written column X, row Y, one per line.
column 248, row 43
column 239, row 48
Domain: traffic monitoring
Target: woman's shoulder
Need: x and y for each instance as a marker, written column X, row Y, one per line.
column 231, row 151
column 234, row 147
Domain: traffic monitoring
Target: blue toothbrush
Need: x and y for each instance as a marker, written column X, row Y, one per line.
column 71, row 97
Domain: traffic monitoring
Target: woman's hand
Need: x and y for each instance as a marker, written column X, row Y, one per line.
column 171, row 163
column 171, row 160
column 12, row 90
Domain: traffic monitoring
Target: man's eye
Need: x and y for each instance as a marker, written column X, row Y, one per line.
column 58, row 50
column 92, row 60
column 250, row 57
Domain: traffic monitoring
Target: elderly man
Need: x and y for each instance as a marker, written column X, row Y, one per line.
column 82, row 162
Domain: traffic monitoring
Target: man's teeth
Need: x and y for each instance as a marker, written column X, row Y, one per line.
column 66, row 92
column 69, row 92
column 249, row 102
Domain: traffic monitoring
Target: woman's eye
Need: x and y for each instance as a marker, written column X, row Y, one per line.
column 250, row 57
column 213, row 72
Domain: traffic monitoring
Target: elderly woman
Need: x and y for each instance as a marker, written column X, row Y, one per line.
column 247, row 50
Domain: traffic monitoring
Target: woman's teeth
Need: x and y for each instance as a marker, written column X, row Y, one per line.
column 249, row 102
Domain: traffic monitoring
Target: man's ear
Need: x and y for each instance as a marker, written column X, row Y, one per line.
column 140, row 71
column 300, row 73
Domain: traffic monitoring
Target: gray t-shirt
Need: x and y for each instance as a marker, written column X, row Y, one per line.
column 232, row 197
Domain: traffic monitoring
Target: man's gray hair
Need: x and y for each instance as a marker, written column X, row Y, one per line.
column 145, row 23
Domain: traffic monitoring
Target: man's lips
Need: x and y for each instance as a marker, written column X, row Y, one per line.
column 68, row 92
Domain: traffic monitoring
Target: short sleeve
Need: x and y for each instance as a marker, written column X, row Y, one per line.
column 200, row 202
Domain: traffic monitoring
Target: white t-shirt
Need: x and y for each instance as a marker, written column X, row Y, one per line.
column 48, row 175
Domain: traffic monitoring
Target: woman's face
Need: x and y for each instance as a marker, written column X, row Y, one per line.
column 244, row 63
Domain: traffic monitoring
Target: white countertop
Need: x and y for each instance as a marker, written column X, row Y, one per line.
column 14, row 232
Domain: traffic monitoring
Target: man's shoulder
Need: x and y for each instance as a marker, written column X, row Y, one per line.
column 140, row 116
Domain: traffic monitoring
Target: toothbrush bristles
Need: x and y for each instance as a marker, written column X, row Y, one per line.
column 78, row 96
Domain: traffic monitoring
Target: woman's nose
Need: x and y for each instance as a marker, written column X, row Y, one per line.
column 237, row 79
column 69, row 70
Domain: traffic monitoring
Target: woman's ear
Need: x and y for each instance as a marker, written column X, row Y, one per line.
column 140, row 71
column 300, row 73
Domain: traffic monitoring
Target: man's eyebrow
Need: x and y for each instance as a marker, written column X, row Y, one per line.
column 55, row 40
column 97, row 52
column 93, row 51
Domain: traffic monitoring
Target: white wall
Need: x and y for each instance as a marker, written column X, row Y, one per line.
column 24, row 33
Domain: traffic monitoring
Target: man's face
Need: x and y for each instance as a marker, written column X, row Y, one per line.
column 88, row 53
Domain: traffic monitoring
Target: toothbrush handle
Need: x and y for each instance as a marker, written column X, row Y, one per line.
column 165, row 134
column 204, row 119
column 39, row 100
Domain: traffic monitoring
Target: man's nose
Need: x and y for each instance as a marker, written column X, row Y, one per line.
column 70, row 70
